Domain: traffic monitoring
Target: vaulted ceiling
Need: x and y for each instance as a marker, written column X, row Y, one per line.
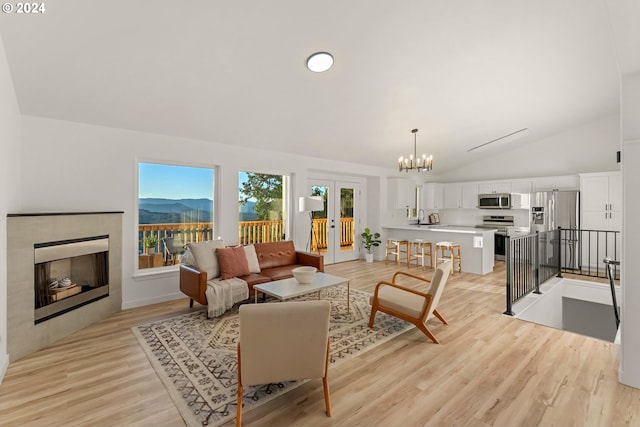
column 464, row 72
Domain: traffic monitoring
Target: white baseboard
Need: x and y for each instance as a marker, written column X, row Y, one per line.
column 4, row 364
column 153, row 300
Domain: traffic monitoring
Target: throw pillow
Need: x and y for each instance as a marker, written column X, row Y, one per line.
column 252, row 259
column 205, row 257
column 233, row 262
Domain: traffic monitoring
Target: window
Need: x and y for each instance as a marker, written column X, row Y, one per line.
column 175, row 207
column 263, row 209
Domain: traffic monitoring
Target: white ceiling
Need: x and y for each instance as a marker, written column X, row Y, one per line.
column 464, row 72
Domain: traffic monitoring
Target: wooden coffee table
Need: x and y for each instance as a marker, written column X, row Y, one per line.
column 290, row 288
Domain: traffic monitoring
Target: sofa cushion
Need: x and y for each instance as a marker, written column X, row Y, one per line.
column 233, row 262
column 205, row 257
column 255, row 279
column 276, row 254
column 279, row 273
column 252, row 259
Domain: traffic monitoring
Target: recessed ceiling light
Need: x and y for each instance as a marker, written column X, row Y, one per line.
column 319, row 62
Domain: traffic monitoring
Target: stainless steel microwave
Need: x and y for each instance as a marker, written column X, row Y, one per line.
column 494, row 201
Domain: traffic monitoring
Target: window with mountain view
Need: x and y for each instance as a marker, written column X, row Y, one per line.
column 175, row 207
column 262, row 213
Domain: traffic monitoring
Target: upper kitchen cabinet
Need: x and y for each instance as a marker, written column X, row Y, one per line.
column 521, row 186
column 568, row 182
column 494, row 187
column 453, row 195
column 470, row 195
column 601, row 192
column 399, row 193
column 432, row 196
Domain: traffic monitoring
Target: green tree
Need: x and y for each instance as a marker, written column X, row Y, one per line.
column 324, row 193
column 266, row 190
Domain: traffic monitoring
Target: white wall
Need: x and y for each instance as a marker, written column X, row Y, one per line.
column 9, row 184
column 588, row 148
column 626, row 40
column 630, row 268
column 78, row 167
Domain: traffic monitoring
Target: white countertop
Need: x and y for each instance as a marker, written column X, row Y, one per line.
column 461, row 229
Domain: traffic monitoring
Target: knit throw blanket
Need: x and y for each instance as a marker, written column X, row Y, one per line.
column 222, row 294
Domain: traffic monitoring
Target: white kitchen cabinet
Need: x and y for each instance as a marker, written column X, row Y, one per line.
column 601, row 200
column 494, row 187
column 568, row 182
column 601, row 197
column 399, row 194
column 521, row 186
column 453, row 195
column 432, row 196
column 469, row 195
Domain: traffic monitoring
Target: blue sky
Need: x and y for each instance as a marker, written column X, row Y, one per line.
column 174, row 182
column 177, row 182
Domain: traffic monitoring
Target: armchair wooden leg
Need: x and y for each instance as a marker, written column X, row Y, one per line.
column 190, row 302
column 428, row 333
column 372, row 318
column 239, row 410
column 327, row 399
column 239, row 403
column 439, row 316
column 325, row 381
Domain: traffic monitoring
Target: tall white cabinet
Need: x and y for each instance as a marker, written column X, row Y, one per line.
column 601, row 215
column 601, row 195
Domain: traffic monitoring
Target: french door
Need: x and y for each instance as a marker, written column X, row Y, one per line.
column 334, row 229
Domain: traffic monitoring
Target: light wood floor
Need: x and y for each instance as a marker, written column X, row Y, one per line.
column 489, row 370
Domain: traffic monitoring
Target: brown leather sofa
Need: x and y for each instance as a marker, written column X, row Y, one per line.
column 276, row 260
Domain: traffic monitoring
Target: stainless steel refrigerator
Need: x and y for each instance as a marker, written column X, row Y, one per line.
column 553, row 209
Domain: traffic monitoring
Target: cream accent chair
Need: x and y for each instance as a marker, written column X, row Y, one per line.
column 283, row 341
column 414, row 306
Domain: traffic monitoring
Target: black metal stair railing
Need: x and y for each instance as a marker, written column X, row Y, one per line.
column 609, row 263
column 530, row 261
column 535, row 258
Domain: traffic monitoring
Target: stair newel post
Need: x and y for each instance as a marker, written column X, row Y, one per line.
column 536, row 257
column 509, row 282
column 559, row 252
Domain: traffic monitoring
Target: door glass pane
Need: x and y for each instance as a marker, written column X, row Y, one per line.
column 347, row 229
column 320, row 234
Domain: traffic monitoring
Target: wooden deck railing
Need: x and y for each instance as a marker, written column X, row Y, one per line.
column 189, row 232
column 321, row 233
column 248, row 232
column 260, row 231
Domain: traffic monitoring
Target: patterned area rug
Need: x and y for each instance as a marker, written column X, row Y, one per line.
column 195, row 357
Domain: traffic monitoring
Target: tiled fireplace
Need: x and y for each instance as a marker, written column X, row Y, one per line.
column 64, row 273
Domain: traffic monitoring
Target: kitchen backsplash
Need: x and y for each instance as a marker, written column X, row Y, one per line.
column 459, row 216
column 474, row 216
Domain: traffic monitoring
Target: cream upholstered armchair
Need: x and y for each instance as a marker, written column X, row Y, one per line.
column 413, row 305
column 283, row 341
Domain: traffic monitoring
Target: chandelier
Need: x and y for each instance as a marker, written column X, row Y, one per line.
column 413, row 162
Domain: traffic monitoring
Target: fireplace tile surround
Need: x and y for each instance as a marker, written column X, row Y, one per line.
column 24, row 231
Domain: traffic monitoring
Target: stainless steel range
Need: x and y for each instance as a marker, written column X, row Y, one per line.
column 501, row 223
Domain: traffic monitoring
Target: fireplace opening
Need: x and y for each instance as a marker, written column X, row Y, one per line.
column 69, row 274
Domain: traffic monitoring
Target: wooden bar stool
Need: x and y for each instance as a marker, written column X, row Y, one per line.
column 419, row 249
column 449, row 251
column 394, row 247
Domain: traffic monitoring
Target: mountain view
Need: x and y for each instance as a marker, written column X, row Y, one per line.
column 171, row 211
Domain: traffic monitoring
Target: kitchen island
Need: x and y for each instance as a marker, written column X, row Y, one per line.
column 476, row 244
